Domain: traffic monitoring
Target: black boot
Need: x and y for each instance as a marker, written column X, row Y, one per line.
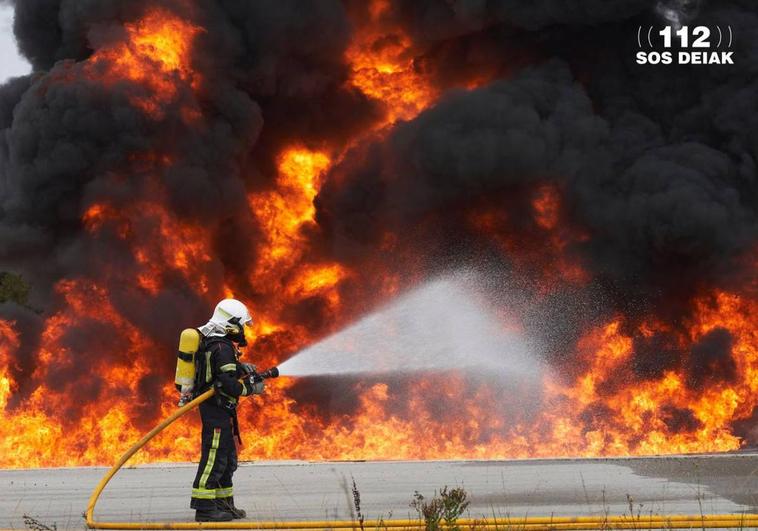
column 227, row 505
column 237, row 513
column 213, row 515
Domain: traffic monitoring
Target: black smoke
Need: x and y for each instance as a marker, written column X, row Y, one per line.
column 70, row 140
column 656, row 166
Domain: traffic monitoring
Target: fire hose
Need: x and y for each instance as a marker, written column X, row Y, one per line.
column 570, row 523
column 89, row 515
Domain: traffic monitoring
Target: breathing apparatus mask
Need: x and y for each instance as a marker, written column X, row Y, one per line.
column 236, row 331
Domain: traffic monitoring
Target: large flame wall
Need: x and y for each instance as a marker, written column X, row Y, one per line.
column 315, row 159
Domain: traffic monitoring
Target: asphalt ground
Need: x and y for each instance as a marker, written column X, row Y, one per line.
column 722, row 484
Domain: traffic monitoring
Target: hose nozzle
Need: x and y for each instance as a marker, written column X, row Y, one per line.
column 273, row 372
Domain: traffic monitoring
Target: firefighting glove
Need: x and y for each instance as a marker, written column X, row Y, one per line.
column 250, row 388
column 248, row 368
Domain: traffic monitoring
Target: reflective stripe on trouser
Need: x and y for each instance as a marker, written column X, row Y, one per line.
column 224, row 492
column 214, row 472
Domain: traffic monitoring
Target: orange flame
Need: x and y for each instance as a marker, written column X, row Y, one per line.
column 635, row 420
column 383, row 68
column 156, row 55
column 444, row 416
column 284, row 213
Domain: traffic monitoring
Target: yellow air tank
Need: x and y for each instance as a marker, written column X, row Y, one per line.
column 189, row 342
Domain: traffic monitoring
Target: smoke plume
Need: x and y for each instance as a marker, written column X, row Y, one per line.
column 317, row 158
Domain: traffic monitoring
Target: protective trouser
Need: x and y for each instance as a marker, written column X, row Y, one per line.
column 213, row 482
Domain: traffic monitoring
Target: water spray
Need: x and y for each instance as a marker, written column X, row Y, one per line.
column 442, row 325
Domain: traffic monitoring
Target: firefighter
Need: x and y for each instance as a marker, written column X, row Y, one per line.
column 217, row 364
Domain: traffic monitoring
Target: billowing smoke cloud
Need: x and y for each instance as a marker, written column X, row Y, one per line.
column 441, row 20
column 654, row 167
column 669, row 216
column 507, row 135
column 71, row 141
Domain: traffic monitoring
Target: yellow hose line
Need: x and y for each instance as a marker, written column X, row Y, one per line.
column 133, row 450
column 567, row 523
column 526, row 524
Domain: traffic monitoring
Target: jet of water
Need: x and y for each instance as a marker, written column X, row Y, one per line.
column 439, row 326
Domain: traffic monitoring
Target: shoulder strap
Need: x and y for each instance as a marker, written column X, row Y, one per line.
column 204, row 373
column 205, row 370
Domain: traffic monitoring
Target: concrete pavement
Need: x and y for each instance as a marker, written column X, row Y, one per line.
column 301, row 490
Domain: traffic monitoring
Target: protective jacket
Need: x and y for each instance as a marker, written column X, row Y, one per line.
column 218, row 366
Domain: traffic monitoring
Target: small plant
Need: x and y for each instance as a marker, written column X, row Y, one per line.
column 700, row 498
column 381, row 524
column 35, row 525
column 479, row 524
column 357, row 504
column 428, row 511
column 447, row 508
column 638, row 516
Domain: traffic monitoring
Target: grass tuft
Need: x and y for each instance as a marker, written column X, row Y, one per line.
column 446, row 507
column 35, row 525
column 357, row 504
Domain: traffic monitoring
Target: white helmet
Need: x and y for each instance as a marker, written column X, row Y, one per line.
column 229, row 317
